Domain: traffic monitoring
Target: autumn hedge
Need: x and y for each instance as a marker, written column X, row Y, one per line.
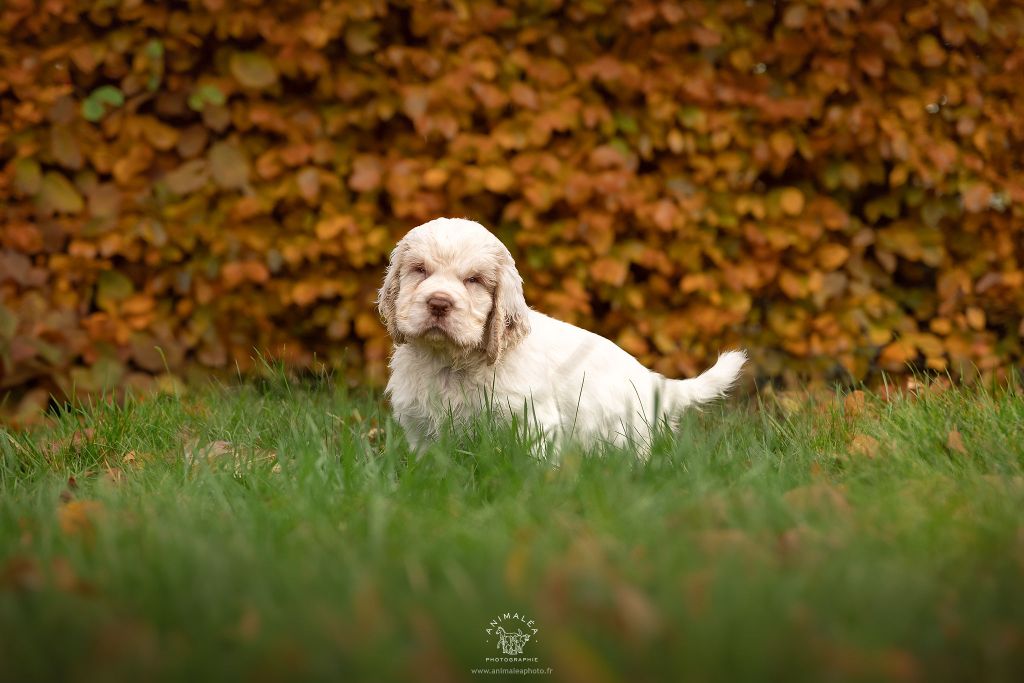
column 836, row 186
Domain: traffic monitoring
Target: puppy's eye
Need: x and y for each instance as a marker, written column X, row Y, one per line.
column 419, row 269
column 472, row 280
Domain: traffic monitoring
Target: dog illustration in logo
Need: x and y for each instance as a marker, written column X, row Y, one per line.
column 511, row 643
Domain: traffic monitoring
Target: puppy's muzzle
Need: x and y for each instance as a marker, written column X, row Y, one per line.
column 439, row 305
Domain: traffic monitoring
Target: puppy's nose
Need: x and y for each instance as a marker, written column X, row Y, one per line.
column 439, row 305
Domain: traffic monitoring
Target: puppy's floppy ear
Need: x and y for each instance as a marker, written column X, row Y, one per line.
column 509, row 321
column 387, row 297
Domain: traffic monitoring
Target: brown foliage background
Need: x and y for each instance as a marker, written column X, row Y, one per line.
column 835, row 185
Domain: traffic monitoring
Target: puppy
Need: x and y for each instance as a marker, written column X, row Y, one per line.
column 466, row 343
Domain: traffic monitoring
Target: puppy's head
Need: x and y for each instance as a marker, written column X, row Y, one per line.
column 453, row 286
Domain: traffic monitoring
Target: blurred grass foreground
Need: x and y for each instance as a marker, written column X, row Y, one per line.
column 276, row 531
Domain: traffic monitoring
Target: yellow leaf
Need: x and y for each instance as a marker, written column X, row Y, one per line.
column 435, row 177
column 831, row 256
column 332, row 226
column 792, row 201
column 930, row 52
column 896, row 355
column 498, row 179
column 305, row 293
column 793, row 284
column 975, row 318
column 940, row 326
column 782, row 144
column 56, row 193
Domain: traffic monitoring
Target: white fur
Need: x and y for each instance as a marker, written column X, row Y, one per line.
column 492, row 353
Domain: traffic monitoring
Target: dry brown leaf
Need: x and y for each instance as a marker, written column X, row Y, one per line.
column 189, row 177
column 864, row 446
column 955, row 441
column 22, row 573
column 253, row 70
column 229, row 166
column 854, row 403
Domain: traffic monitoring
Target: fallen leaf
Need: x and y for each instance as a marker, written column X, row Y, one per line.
column 639, row 615
column 249, row 624
column 854, row 402
column 864, row 445
column 65, row 579
column 955, row 442
column 818, row 496
column 77, row 517
column 114, row 475
column 21, row 573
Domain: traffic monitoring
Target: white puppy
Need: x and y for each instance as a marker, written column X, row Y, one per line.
column 466, row 343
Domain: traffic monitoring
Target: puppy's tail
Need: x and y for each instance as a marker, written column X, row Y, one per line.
column 712, row 383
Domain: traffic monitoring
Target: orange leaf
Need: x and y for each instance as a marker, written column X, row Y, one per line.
column 609, row 270
column 977, row 197
column 332, row 226
column 498, row 179
column 792, row 201
column 435, row 177
column 975, row 318
column 831, row 256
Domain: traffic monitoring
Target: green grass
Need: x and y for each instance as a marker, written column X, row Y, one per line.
column 766, row 540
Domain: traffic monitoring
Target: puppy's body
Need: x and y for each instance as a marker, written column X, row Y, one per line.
column 567, row 381
column 457, row 357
